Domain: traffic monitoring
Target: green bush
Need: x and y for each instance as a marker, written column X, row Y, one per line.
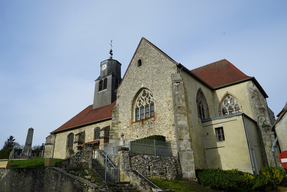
column 277, row 173
column 4, row 153
column 231, row 180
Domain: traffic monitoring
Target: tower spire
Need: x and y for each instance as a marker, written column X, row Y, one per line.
column 111, row 50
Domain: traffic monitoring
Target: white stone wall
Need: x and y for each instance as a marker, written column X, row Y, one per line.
column 281, row 130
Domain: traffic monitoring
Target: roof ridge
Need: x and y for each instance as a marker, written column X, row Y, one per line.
column 208, row 64
column 160, row 50
column 228, row 62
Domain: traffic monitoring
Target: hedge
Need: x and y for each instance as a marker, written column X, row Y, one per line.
column 231, row 180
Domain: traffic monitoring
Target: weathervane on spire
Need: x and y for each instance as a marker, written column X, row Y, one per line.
column 111, row 50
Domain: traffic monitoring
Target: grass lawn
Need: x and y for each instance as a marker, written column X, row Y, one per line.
column 36, row 162
column 179, row 185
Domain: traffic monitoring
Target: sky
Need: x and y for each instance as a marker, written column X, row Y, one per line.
column 50, row 51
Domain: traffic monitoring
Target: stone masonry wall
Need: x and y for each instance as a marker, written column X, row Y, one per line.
column 155, row 75
column 132, row 176
column 185, row 151
column 45, row 180
column 60, row 150
column 156, row 166
column 49, row 146
column 261, row 115
column 82, row 159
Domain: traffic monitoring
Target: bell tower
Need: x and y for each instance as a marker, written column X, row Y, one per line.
column 107, row 82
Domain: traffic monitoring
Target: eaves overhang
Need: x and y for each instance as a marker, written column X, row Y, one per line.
column 182, row 67
column 227, row 116
column 243, row 80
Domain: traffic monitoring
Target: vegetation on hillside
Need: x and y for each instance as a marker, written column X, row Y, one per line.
column 179, row 185
column 36, row 162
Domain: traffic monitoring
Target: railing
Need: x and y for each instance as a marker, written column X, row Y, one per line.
column 110, row 168
column 141, row 147
column 146, row 179
column 151, row 147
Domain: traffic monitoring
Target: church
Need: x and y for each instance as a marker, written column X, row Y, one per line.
column 214, row 116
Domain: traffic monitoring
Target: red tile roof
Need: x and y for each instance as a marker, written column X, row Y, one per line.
column 91, row 142
column 88, row 115
column 220, row 73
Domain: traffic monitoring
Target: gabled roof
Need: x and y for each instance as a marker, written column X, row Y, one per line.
column 88, row 116
column 220, row 73
column 280, row 115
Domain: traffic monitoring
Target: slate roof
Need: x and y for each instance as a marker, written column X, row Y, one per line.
column 88, row 116
column 220, row 73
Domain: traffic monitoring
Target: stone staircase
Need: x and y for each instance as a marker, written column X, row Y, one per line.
column 101, row 171
column 114, row 186
column 122, row 187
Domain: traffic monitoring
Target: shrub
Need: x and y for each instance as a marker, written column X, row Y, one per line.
column 4, row 153
column 277, row 174
column 230, row 180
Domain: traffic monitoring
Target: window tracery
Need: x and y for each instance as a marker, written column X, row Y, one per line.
column 230, row 105
column 144, row 105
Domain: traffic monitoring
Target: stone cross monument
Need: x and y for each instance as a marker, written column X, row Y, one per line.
column 28, row 145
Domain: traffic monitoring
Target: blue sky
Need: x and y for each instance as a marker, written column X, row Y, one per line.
column 50, row 51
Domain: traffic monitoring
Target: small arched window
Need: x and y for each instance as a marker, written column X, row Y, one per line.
column 70, row 140
column 202, row 107
column 101, row 85
column 139, row 62
column 230, row 105
column 143, row 105
column 105, row 83
column 97, row 133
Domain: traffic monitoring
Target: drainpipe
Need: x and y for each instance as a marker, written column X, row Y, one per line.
column 248, row 142
column 274, row 143
column 273, row 150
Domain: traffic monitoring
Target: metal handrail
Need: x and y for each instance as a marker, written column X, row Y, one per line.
column 103, row 153
column 146, row 178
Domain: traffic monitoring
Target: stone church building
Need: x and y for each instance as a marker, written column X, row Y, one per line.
column 214, row 116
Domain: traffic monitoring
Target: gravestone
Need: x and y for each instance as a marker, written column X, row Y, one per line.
column 28, row 144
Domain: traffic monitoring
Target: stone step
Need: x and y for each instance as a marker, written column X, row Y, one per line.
column 122, row 187
column 101, row 172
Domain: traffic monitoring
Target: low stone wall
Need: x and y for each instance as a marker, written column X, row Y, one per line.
column 130, row 175
column 81, row 160
column 156, row 166
column 45, row 180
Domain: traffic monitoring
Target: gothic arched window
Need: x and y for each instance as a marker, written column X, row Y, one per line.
column 70, row 140
column 143, row 105
column 202, row 107
column 230, row 105
column 97, row 133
